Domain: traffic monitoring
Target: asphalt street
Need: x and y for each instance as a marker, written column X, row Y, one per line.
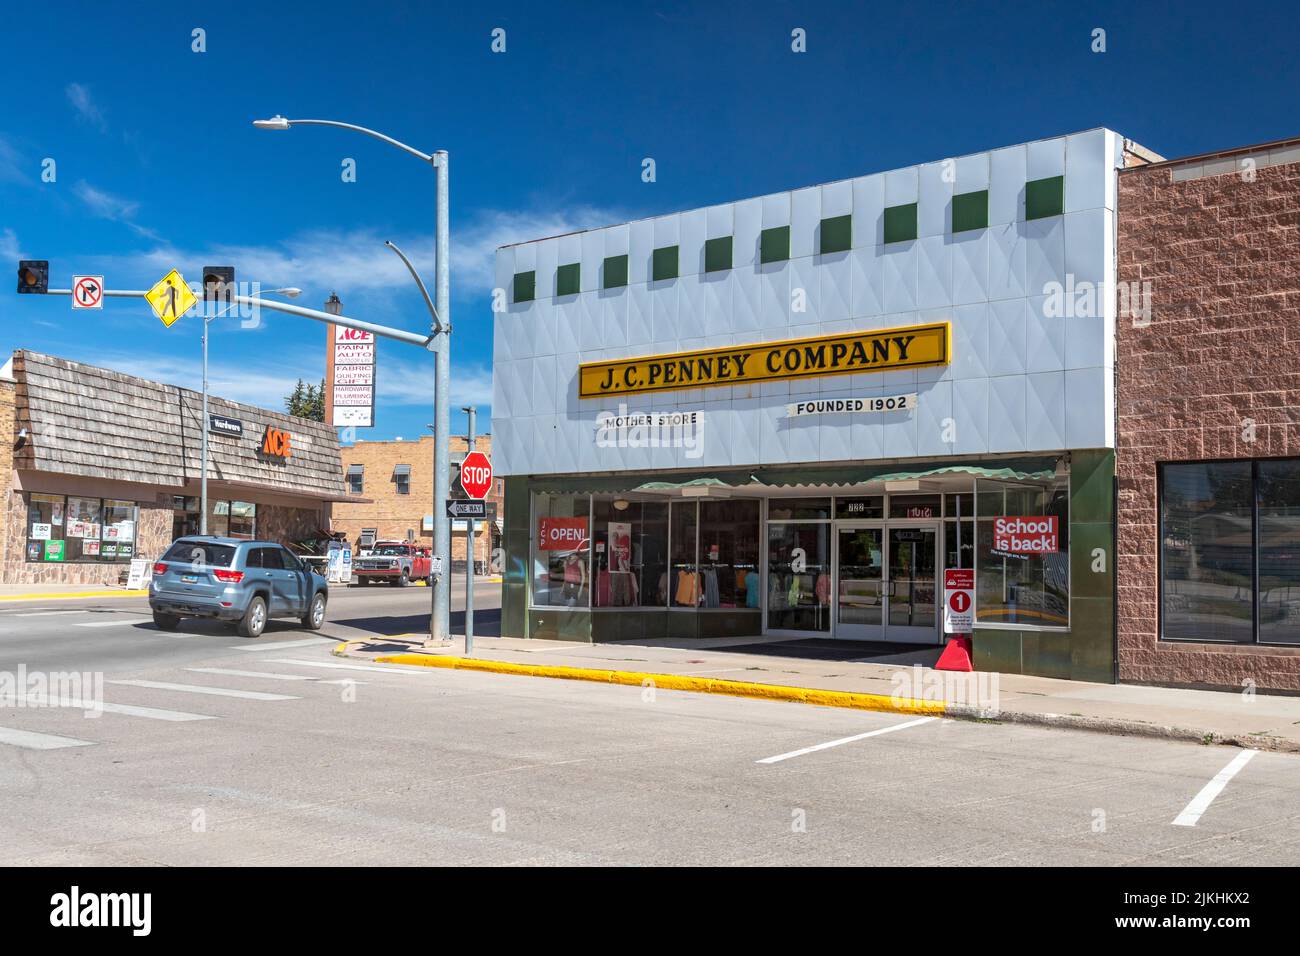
column 214, row 749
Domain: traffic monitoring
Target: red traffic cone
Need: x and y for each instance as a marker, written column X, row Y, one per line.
column 956, row 656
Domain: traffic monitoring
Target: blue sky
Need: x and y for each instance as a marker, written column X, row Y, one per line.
column 158, row 165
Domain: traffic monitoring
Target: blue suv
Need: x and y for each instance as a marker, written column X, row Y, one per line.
column 230, row 579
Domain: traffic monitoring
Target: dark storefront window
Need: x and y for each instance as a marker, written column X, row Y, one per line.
column 1023, row 561
column 799, row 576
column 78, row 529
column 729, row 554
column 629, row 553
column 562, row 551
column 1230, row 552
column 684, row 579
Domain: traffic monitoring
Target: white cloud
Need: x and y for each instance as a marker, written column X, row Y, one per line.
column 79, row 97
column 263, row 385
column 407, row 382
column 107, row 206
column 473, row 252
column 9, row 248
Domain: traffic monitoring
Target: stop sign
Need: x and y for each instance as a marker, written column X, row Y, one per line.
column 476, row 474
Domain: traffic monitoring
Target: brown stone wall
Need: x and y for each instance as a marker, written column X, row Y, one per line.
column 1221, row 347
column 394, row 514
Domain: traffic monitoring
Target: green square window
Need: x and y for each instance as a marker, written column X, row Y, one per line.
column 568, row 279
column 837, row 234
column 615, row 272
column 1045, row 197
column 665, row 263
column 970, row 211
column 900, row 223
column 525, row 286
column 717, row 254
column 774, row 244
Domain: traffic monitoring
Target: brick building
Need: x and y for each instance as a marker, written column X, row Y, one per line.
column 99, row 467
column 394, row 482
column 1208, row 445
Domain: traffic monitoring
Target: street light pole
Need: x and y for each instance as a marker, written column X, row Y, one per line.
column 439, row 342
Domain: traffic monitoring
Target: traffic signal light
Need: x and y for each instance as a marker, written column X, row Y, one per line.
column 218, row 283
column 34, row 276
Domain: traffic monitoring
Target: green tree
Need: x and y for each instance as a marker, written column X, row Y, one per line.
column 306, row 401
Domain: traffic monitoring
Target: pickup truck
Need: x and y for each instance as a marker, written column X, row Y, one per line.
column 397, row 562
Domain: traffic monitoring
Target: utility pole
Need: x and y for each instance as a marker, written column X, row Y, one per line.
column 471, row 412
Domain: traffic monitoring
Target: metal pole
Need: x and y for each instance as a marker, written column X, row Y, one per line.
column 472, row 412
column 203, row 426
column 440, row 620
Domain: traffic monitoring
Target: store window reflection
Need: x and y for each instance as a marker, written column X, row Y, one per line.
column 798, row 576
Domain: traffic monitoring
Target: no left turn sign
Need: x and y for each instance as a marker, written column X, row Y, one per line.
column 87, row 292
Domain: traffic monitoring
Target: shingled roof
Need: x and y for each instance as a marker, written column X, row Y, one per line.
column 95, row 422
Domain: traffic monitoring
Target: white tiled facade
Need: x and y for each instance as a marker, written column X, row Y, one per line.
column 1019, row 380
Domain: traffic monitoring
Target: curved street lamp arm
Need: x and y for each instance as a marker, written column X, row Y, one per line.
column 361, row 129
column 433, row 312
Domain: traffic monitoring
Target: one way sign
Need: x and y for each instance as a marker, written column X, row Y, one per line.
column 459, row 508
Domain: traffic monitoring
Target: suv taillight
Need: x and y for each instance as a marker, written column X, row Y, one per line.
column 159, row 568
column 230, row 577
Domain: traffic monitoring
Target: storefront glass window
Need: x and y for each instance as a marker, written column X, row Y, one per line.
column 561, row 551
column 685, row 577
column 728, row 556
column 79, row 529
column 801, row 509
column 629, row 553
column 967, row 557
column 1279, row 552
column 243, row 520
column 914, row 506
column 1023, row 554
column 798, row 577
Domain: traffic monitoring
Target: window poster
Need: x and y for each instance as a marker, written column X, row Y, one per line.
column 34, row 550
column 53, row 550
column 90, row 547
column 56, row 513
column 620, row 546
column 41, row 532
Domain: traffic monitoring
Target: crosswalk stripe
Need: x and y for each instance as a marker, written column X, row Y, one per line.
column 118, row 623
column 284, row 645
column 126, row 710
column 344, row 667
column 48, row 613
column 202, row 689
column 33, row 741
column 227, row 672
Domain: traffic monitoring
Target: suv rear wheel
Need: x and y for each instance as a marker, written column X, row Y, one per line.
column 165, row 622
column 315, row 615
column 254, row 620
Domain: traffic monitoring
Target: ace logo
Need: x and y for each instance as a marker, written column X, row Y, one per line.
column 276, row 443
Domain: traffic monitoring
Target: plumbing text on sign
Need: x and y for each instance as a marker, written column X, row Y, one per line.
column 1027, row 534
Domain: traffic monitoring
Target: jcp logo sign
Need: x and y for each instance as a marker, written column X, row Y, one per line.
column 561, row 534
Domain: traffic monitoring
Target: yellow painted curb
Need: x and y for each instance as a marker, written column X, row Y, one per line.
column 701, row 685
column 65, row 595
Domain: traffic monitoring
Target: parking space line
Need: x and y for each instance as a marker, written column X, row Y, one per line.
column 126, row 710
column 1201, row 802
column 202, row 689
column 228, row 672
column 343, row 667
column 847, row 740
column 49, row 613
column 118, row 623
column 33, row 741
column 284, row 645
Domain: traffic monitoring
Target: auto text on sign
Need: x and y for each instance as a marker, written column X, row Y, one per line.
column 1027, row 534
column 561, row 534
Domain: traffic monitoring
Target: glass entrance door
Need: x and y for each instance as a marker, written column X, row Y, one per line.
column 886, row 583
column 913, row 582
column 860, row 593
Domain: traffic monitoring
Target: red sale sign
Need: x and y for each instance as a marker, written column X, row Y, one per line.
column 1027, row 535
column 561, row 534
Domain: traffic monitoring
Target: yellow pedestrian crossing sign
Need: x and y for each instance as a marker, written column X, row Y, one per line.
column 171, row 298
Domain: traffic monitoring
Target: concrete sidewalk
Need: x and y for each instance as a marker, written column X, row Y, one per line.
column 1259, row 721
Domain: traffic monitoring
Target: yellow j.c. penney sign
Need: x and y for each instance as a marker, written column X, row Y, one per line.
column 915, row 346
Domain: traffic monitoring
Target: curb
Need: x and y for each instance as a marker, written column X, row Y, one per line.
column 67, row 595
column 700, row 685
column 831, row 698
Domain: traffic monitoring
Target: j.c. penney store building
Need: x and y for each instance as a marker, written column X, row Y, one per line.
column 787, row 416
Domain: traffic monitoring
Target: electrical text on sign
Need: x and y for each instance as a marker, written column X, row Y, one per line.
column 1027, row 534
column 87, row 292
column 476, row 474
column 561, row 534
column 958, row 600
